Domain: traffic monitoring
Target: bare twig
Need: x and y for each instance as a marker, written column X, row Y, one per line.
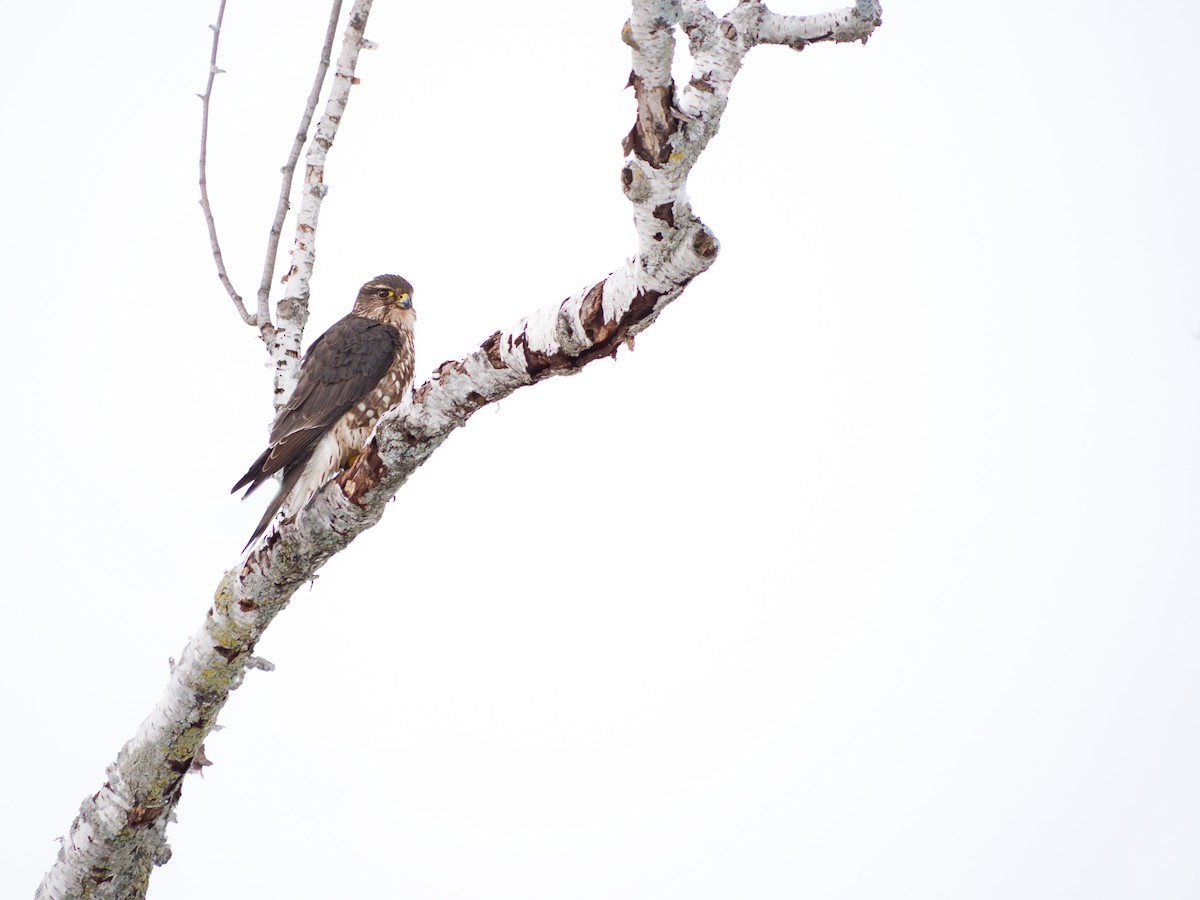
column 213, row 72
column 292, row 310
column 289, row 168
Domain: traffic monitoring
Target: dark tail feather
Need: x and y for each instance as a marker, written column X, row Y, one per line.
column 254, row 474
column 289, row 481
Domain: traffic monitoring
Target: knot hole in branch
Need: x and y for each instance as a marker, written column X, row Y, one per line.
column 705, row 243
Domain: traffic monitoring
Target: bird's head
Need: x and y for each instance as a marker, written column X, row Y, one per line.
column 387, row 298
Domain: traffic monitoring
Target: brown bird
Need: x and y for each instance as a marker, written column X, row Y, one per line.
column 350, row 376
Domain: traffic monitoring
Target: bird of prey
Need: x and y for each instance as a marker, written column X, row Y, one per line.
column 350, row 376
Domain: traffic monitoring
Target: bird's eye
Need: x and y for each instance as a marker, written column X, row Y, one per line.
column 383, row 293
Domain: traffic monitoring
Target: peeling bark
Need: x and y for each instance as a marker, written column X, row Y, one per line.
column 651, row 134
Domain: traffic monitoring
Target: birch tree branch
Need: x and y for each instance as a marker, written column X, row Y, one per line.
column 289, row 169
column 291, row 313
column 797, row 32
column 121, row 830
column 205, row 100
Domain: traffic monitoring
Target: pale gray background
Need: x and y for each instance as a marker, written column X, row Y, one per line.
column 870, row 574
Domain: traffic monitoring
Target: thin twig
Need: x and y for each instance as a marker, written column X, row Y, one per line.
column 289, row 168
column 213, row 72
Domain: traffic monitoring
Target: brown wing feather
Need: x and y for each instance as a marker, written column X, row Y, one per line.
column 341, row 367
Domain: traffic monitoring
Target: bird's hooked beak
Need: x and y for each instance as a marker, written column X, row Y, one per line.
column 405, row 301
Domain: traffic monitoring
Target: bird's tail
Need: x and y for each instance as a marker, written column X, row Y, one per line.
column 290, row 478
column 254, row 476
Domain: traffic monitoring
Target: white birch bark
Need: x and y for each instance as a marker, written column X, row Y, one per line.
column 291, row 313
column 120, row 832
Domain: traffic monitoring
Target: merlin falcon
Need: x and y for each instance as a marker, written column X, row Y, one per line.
column 350, row 376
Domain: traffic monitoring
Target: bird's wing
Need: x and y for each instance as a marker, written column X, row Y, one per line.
column 339, row 369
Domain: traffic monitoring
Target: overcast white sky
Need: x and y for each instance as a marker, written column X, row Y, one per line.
column 870, row 574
